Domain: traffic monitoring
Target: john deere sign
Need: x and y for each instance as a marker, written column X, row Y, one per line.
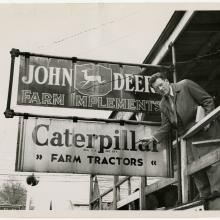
column 63, row 83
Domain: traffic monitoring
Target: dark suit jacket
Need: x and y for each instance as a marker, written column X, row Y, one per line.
column 187, row 97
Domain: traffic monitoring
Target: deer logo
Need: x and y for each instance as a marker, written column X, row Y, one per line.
column 90, row 78
column 93, row 79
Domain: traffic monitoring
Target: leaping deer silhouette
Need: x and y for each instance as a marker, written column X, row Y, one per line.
column 90, row 78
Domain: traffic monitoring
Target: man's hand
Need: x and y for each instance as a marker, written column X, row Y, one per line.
column 146, row 140
column 148, row 143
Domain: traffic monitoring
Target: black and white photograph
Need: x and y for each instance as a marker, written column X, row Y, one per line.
column 109, row 108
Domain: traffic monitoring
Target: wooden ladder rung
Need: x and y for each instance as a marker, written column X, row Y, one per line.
column 196, row 143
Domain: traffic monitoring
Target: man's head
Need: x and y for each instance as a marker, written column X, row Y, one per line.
column 160, row 83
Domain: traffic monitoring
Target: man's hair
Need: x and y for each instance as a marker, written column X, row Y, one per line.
column 156, row 76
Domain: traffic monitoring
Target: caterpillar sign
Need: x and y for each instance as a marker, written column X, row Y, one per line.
column 64, row 146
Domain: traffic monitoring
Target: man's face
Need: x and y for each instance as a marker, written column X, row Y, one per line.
column 161, row 86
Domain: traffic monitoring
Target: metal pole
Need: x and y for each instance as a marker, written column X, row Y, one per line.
column 178, row 152
column 9, row 113
column 75, row 119
column 75, row 59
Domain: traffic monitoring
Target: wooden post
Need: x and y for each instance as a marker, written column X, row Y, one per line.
column 91, row 192
column 118, row 192
column 184, row 176
column 130, row 206
column 115, row 193
column 178, row 151
column 100, row 203
column 28, row 198
column 142, row 200
column 174, row 62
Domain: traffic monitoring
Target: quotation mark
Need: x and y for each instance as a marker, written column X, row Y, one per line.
column 38, row 156
column 153, row 162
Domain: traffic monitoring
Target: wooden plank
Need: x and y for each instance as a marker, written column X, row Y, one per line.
column 118, row 192
column 178, row 164
column 129, row 193
column 207, row 119
column 107, row 192
column 148, row 189
column 194, row 206
column 160, row 184
column 100, row 203
column 128, row 200
column 205, row 142
column 184, row 176
column 142, row 200
column 204, row 161
column 123, row 180
column 110, row 189
column 183, row 22
column 115, row 192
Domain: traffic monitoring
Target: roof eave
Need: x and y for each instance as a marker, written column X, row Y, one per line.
column 179, row 18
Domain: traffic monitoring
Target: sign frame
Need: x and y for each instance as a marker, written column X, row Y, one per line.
column 21, row 156
column 10, row 113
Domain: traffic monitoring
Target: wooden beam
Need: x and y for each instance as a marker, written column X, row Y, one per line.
column 206, row 142
column 182, row 24
column 128, row 200
column 142, row 200
column 204, row 161
column 123, row 180
column 206, row 120
column 130, row 206
column 160, row 184
column 184, row 176
column 148, row 189
column 115, row 192
column 100, row 203
column 111, row 189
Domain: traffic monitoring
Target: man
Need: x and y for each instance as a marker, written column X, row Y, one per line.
column 178, row 111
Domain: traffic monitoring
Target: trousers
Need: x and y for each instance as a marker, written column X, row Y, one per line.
column 206, row 180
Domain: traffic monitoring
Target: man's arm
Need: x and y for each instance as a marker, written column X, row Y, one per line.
column 160, row 134
column 164, row 129
column 201, row 96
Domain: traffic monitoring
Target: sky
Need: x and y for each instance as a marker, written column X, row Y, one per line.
column 123, row 32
